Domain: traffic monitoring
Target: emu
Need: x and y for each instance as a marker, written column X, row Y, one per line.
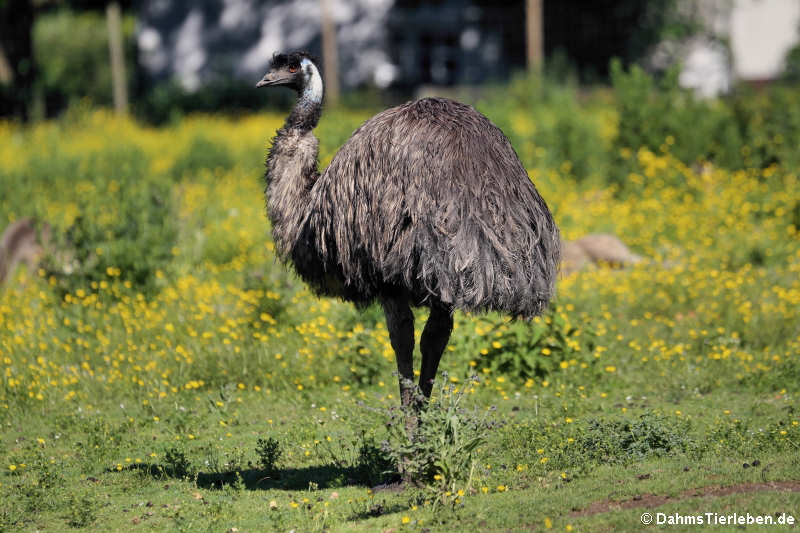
column 20, row 244
column 596, row 248
column 426, row 204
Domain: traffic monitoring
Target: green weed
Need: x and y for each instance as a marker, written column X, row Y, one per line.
column 81, row 511
column 176, row 464
column 269, row 453
column 440, row 451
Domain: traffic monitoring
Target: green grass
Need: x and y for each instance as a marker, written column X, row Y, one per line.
column 96, row 468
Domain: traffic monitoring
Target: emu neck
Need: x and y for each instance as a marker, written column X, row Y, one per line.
column 305, row 115
column 291, row 172
column 292, row 164
column 306, row 112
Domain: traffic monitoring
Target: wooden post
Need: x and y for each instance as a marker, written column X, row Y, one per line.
column 535, row 34
column 330, row 53
column 6, row 72
column 117, row 54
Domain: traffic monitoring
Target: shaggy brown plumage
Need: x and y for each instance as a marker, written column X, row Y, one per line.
column 20, row 244
column 426, row 204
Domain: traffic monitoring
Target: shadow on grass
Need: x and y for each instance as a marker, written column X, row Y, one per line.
column 323, row 477
column 319, row 477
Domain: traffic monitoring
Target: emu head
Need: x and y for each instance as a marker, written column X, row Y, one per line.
column 298, row 71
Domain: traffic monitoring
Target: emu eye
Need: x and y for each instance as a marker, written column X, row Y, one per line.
column 292, row 69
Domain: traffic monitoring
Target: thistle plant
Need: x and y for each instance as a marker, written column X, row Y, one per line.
column 439, row 453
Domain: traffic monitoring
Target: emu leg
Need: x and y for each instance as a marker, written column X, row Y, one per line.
column 432, row 344
column 400, row 323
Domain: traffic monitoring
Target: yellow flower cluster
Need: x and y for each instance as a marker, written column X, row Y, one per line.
column 721, row 282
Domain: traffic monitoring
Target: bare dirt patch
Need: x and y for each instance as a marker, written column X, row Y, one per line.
column 650, row 501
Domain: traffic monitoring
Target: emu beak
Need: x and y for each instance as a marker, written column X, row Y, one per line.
column 270, row 78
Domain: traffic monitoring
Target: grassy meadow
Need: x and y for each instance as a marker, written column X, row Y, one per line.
column 163, row 371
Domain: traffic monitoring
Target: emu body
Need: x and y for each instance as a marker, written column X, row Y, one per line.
column 427, row 204
column 20, row 243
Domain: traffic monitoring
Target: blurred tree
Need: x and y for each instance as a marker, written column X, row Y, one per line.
column 81, row 68
column 21, row 86
column 590, row 33
column 791, row 64
column 16, row 48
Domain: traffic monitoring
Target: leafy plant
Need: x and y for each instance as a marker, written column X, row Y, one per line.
column 547, row 126
column 176, row 463
column 626, row 440
column 123, row 224
column 526, row 350
column 360, row 459
column 81, row 511
column 235, row 459
column 373, row 464
column 269, row 452
column 436, row 445
column 653, row 112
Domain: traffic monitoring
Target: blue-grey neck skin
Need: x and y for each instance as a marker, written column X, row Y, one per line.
column 305, row 115
column 308, row 109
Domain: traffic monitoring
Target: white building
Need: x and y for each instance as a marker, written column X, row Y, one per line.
column 759, row 33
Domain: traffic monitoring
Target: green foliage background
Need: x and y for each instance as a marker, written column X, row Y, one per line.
column 71, row 52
